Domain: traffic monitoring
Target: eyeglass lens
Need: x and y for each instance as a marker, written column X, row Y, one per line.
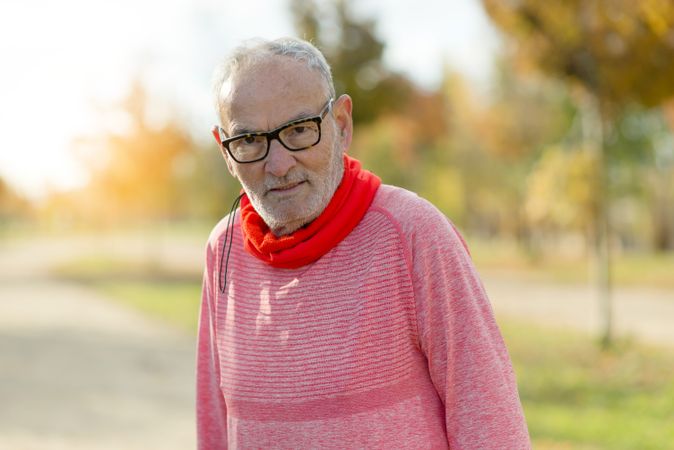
column 295, row 136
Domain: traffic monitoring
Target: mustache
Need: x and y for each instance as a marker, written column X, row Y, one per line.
column 273, row 182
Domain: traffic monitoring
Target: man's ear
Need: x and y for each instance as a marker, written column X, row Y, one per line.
column 342, row 111
column 215, row 131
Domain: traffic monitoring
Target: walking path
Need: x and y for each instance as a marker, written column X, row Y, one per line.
column 640, row 313
column 79, row 372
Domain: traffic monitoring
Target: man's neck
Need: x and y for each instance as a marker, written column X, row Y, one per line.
column 290, row 228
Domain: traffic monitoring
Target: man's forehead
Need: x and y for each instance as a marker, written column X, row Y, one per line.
column 268, row 76
column 269, row 94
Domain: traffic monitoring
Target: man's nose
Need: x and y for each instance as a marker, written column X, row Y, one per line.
column 279, row 160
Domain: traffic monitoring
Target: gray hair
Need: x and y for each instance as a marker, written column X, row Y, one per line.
column 253, row 50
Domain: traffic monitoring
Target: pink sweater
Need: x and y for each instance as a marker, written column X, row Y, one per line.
column 387, row 341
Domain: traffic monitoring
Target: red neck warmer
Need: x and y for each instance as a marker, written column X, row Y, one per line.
column 349, row 203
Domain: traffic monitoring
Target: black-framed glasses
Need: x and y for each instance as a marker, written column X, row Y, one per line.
column 296, row 135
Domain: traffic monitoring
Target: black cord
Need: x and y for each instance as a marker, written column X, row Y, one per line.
column 229, row 234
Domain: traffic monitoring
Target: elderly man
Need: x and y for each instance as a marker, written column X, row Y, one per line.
column 337, row 312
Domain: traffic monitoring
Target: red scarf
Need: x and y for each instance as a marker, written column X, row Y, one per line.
column 351, row 200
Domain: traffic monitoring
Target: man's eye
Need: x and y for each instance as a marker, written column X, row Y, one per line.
column 298, row 129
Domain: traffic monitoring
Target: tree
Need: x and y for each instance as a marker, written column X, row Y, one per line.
column 138, row 172
column 561, row 190
column 12, row 204
column 354, row 52
column 491, row 143
column 617, row 52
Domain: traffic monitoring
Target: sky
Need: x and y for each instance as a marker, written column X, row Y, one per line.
column 64, row 61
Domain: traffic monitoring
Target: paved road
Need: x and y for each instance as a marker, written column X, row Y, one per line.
column 79, row 372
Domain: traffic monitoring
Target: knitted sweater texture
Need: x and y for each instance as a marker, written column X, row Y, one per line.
column 387, row 341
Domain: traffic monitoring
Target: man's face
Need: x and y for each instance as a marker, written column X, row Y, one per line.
column 288, row 189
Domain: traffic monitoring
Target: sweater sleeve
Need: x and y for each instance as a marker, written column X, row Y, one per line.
column 211, row 407
column 467, row 358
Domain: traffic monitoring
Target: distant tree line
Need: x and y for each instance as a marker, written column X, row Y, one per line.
column 517, row 162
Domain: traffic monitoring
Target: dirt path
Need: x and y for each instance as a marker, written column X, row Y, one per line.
column 79, row 372
column 639, row 313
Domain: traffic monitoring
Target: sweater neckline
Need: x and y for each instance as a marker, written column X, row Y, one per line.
column 348, row 205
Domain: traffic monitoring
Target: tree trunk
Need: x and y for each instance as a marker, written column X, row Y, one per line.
column 603, row 256
column 663, row 189
column 663, row 236
column 595, row 127
column 665, row 174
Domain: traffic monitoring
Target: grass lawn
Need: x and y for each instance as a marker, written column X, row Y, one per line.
column 174, row 302
column 575, row 396
column 628, row 269
column 168, row 296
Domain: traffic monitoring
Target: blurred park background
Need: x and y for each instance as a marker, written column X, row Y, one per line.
column 544, row 130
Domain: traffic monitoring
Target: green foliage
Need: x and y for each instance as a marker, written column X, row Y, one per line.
column 138, row 171
column 568, row 265
column 641, row 149
column 620, row 53
column 561, row 190
column 144, row 285
column 145, row 171
column 578, row 396
column 176, row 303
column 485, row 159
column 387, row 147
column 12, row 204
column 355, row 54
column 619, row 50
column 211, row 188
column 524, row 114
column 492, row 143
